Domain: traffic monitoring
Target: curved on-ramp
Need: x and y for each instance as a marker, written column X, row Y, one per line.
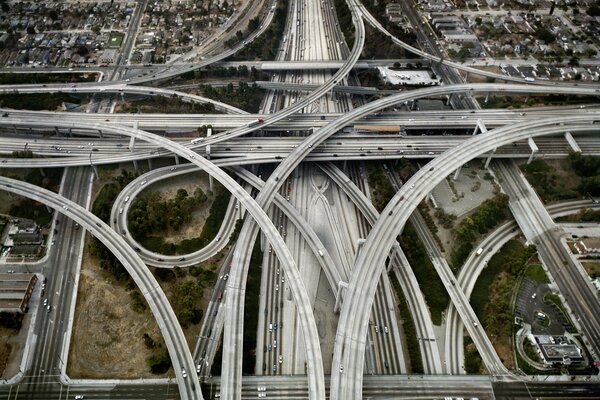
column 350, row 341
column 151, row 290
column 473, row 267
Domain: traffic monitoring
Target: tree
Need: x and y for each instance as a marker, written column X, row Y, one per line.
column 83, row 50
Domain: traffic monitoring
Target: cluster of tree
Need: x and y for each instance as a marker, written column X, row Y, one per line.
column 410, row 333
column 11, row 320
column 543, row 33
column 266, row 46
column 26, row 208
column 243, row 96
column 170, row 105
column 109, row 262
column 150, row 214
column 209, row 231
column 251, row 302
column 546, row 182
column 588, row 168
column 104, row 201
column 433, row 289
column 12, row 78
column 185, row 301
column 380, row 185
column 587, row 215
column 473, row 362
column 212, row 71
column 445, row 219
column 491, row 298
column 593, row 9
column 371, row 77
column 485, row 217
column 36, row 101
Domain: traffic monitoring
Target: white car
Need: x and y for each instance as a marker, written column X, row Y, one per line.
column 183, row 373
column 79, row 397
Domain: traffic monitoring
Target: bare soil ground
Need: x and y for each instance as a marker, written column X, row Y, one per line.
column 107, row 340
column 592, row 267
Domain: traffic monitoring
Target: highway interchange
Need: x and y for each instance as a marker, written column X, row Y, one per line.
column 356, row 276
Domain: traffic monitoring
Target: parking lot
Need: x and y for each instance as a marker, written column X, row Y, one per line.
column 530, row 301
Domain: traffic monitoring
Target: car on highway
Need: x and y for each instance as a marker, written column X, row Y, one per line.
column 274, row 367
column 183, row 373
column 280, row 359
column 385, row 329
column 341, row 368
column 79, row 397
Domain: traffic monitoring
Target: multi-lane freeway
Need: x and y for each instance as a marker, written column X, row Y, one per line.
column 312, row 45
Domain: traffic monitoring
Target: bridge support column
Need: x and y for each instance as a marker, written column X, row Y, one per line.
column 56, row 130
column 342, row 286
column 534, row 150
column 574, row 146
column 210, row 178
column 132, row 143
column 49, row 209
column 489, row 159
column 42, row 172
column 457, row 173
column 149, row 164
column 70, row 131
column 526, row 98
column 95, row 170
column 135, row 165
column 344, row 167
column 100, row 134
column 432, row 199
column 487, row 97
column 176, row 159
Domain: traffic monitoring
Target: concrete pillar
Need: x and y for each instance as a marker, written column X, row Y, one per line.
column 210, row 178
column 526, row 98
column 574, row 146
column 135, row 165
column 476, row 129
column 70, row 130
column 100, row 133
column 176, row 159
column 342, row 286
column 344, row 167
column 56, row 130
column 457, row 173
column 432, row 199
column 42, row 172
column 149, row 164
column 49, row 209
column 132, row 143
column 489, row 159
column 95, row 169
column 487, row 97
column 534, row 149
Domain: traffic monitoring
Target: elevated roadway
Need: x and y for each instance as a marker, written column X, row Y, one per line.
column 408, row 281
column 232, row 357
column 474, row 265
column 151, row 290
column 303, row 304
column 349, row 350
column 563, row 268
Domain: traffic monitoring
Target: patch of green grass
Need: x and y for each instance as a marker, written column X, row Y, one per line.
column 537, row 273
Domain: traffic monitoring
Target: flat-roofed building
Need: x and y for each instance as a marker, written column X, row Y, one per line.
column 15, row 291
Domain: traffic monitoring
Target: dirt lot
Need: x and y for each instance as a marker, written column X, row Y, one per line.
column 107, row 340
